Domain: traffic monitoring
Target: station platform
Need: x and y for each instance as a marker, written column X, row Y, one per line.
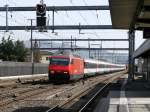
column 132, row 97
column 22, row 76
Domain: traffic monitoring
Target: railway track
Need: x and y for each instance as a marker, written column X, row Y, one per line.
column 87, row 106
column 84, row 106
column 24, row 93
column 19, row 96
column 47, row 94
column 14, row 91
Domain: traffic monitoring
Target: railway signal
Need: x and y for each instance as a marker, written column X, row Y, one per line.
column 41, row 9
column 41, row 16
column 41, row 21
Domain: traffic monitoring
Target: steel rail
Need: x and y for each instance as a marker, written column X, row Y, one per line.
column 52, row 109
column 95, row 95
column 55, row 108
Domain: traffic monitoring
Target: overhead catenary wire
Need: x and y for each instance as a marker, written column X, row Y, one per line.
column 11, row 19
column 22, row 15
column 85, row 2
column 62, row 18
column 66, row 12
column 70, row 17
column 12, row 2
column 97, row 15
column 85, row 20
column 91, row 12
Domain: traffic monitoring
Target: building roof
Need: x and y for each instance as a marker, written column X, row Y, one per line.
column 46, row 53
column 130, row 14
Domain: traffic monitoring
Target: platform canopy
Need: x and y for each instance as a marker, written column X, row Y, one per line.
column 143, row 50
column 130, row 14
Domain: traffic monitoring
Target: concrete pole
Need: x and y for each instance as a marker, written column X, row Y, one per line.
column 6, row 17
column 100, row 50
column 131, row 51
column 32, row 57
column 71, row 44
column 89, row 48
column 53, row 21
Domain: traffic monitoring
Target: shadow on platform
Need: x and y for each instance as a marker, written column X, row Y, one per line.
column 32, row 109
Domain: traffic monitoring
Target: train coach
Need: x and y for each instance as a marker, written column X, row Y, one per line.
column 93, row 67
column 70, row 67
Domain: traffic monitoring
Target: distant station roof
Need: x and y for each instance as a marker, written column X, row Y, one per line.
column 130, row 14
column 143, row 50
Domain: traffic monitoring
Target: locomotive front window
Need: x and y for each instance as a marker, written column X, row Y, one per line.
column 59, row 61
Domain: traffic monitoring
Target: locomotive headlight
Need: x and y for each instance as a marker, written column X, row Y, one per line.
column 52, row 72
column 65, row 72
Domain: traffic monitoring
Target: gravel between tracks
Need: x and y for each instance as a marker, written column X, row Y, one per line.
column 41, row 93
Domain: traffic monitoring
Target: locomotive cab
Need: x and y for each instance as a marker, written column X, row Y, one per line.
column 65, row 68
column 59, row 68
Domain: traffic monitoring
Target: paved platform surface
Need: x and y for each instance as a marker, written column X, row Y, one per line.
column 133, row 97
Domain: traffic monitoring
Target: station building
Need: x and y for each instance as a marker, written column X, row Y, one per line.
column 142, row 54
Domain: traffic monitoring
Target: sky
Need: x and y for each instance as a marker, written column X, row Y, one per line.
column 66, row 18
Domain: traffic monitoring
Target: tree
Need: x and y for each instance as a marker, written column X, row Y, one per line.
column 20, row 51
column 7, row 49
column 12, row 51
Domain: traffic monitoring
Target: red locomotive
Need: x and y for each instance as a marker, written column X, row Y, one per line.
column 69, row 67
column 66, row 67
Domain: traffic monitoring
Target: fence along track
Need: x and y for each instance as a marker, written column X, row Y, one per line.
column 18, row 68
